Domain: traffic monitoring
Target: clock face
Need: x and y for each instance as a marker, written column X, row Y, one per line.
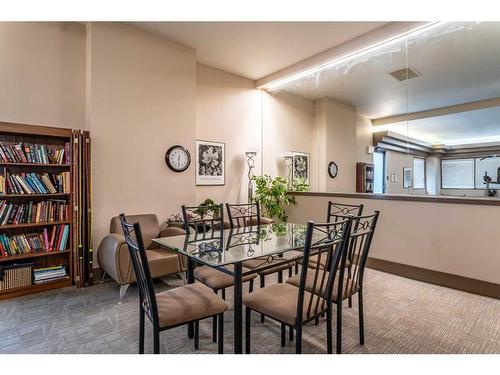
column 178, row 158
column 333, row 169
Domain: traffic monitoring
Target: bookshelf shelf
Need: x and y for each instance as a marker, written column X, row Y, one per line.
column 35, row 288
column 35, row 165
column 34, row 254
column 33, row 225
column 55, row 195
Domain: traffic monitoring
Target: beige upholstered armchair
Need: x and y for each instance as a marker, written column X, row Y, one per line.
column 114, row 258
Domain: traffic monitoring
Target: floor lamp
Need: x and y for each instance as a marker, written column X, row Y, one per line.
column 251, row 165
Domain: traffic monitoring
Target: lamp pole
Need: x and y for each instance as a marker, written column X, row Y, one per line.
column 251, row 165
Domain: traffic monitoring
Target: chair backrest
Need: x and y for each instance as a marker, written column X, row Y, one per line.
column 327, row 242
column 337, row 211
column 150, row 227
column 359, row 243
column 147, row 297
column 242, row 215
column 203, row 219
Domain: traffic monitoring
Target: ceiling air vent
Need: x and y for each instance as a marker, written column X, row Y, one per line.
column 404, row 74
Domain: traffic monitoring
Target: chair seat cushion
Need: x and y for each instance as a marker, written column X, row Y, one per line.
column 216, row 279
column 255, row 264
column 162, row 262
column 349, row 288
column 187, row 303
column 279, row 301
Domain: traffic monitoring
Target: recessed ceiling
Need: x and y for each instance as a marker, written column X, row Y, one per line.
column 479, row 126
column 257, row 49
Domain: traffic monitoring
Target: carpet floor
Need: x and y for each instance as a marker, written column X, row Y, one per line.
column 401, row 316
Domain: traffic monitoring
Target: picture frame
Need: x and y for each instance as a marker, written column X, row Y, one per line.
column 407, row 177
column 301, row 166
column 210, row 163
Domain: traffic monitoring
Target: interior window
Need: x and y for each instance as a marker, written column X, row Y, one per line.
column 418, row 173
column 457, row 174
column 379, row 172
column 490, row 165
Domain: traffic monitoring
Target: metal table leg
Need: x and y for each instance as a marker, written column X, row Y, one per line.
column 238, row 309
column 190, row 280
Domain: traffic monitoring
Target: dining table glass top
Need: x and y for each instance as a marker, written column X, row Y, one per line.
column 224, row 247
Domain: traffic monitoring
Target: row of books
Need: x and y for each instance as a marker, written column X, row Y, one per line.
column 35, row 183
column 33, row 212
column 14, row 244
column 45, row 275
column 34, row 153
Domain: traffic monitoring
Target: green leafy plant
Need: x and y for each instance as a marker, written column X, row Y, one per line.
column 206, row 207
column 272, row 195
column 300, row 184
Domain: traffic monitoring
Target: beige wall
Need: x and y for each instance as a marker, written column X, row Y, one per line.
column 340, row 138
column 228, row 109
column 289, row 125
column 143, row 95
column 42, row 73
column 453, row 238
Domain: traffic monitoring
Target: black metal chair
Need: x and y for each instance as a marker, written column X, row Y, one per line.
column 182, row 305
column 293, row 306
column 357, row 249
column 206, row 222
column 338, row 211
column 243, row 215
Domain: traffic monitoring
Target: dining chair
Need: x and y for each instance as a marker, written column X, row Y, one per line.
column 335, row 212
column 183, row 305
column 357, row 249
column 203, row 221
column 294, row 307
column 244, row 215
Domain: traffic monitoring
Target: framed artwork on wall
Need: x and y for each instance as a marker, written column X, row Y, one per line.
column 210, row 163
column 300, row 167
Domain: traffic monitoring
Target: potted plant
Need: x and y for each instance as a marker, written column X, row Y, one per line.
column 272, row 195
column 207, row 206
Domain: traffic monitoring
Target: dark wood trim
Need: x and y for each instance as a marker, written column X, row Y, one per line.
column 406, row 198
column 40, row 130
column 449, row 280
column 35, row 288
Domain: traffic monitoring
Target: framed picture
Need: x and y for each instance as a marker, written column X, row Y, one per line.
column 300, row 166
column 406, row 177
column 210, row 163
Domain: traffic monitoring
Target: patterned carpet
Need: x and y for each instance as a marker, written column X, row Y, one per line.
column 401, row 316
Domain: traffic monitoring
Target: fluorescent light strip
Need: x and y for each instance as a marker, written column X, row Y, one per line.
column 272, row 85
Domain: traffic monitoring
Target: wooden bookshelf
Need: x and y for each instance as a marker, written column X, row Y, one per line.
column 52, row 138
column 34, row 254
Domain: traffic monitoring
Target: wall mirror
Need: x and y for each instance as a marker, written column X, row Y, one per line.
column 419, row 115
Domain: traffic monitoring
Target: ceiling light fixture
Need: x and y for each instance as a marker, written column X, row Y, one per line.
column 273, row 85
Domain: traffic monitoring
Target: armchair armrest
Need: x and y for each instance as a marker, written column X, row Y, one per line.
column 114, row 258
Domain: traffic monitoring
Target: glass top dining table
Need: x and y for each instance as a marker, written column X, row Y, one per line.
column 221, row 248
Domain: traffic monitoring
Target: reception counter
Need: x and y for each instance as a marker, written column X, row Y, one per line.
column 450, row 241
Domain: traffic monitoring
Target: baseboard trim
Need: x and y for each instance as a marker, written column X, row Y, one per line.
column 449, row 280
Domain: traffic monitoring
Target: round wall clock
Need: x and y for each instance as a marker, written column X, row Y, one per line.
column 178, row 158
column 333, row 169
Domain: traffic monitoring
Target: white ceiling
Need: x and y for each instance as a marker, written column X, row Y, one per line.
column 257, row 49
column 457, row 65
